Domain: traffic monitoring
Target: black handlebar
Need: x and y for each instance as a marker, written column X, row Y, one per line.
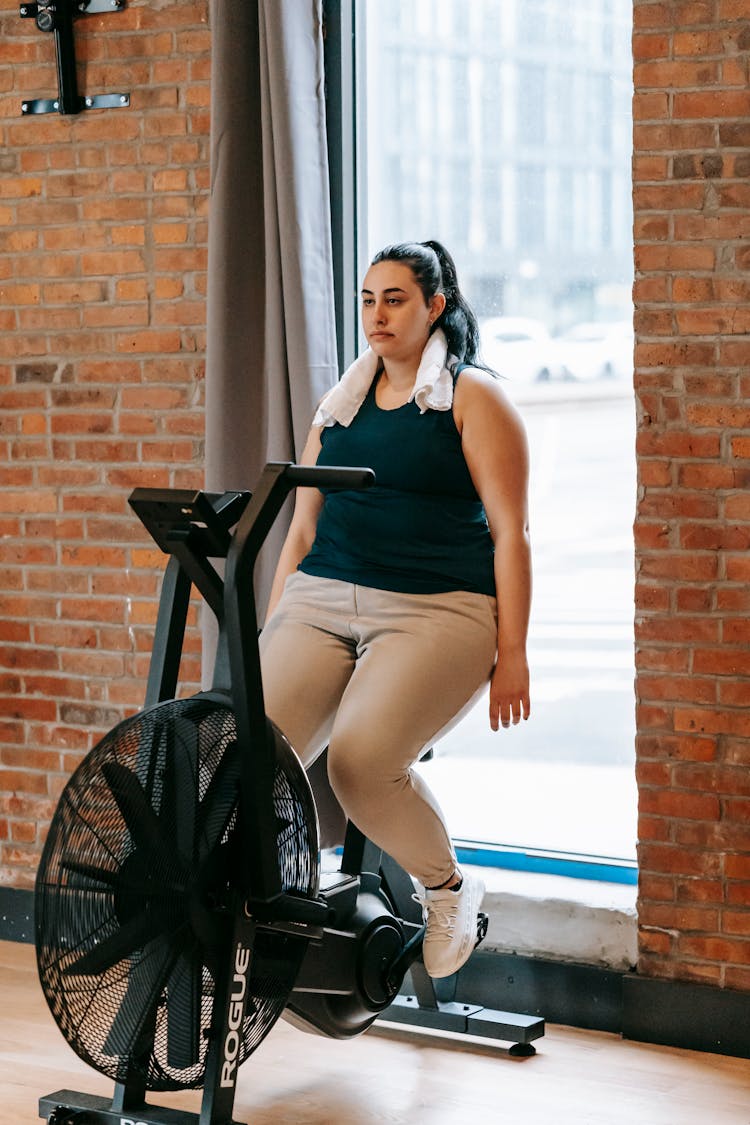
column 319, row 476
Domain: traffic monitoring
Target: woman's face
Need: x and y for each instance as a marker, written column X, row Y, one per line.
column 395, row 318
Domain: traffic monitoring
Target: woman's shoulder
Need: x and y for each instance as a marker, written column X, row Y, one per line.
column 464, row 371
column 480, row 391
column 472, row 382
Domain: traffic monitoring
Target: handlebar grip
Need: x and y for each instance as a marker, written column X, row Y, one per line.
column 320, row 476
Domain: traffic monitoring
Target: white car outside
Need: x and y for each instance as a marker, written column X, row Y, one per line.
column 597, row 350
column 520, row 349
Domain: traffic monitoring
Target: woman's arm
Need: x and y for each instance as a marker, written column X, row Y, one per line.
column 299, row 538
column 496, row 452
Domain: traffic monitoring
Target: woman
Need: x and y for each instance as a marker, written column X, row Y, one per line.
column 392, row 608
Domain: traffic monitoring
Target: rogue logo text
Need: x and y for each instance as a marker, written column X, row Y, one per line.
column 234, row 1020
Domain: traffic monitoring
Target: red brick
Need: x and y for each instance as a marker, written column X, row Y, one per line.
column 712, row 104
column 654, row 829
column 677, row 688
column 700, row 537
column 669, row 859
column 652, row 598
column 733, row 599
column 650, row 105
column 673, row 630
column 738, row 569
column 678, row 504
column 738, row 894
column 694, row 599
column 737, row 866
column 680, row 804
column 716, row 949
column 741, row 447
column 736, row 752
column 706, row 720
column 655, row 474
column 672, row 443
column 683, row 353
column 735, row 694
column 679, row 567
column 653, row 773
column 695, row 476
column 700, row 890
column 736, row 979
column 656, row 888
column 650, row 46
column 674, row 916
column 735, row 631
column 678, row 747
column 654, row 941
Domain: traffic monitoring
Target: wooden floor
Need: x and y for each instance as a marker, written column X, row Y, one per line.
column 576, row 1078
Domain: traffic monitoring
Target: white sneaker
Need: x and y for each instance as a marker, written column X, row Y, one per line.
column 451, row 918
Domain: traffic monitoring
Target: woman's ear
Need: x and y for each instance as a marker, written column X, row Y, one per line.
column 437, row 306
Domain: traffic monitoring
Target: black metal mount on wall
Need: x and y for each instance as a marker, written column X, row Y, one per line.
column 56, row 17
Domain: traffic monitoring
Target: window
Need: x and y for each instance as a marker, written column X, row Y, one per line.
column 507, row 136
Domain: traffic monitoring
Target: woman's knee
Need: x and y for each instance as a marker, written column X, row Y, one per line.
column 358, row 775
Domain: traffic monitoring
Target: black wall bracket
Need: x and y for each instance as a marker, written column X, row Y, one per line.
column 56, row 16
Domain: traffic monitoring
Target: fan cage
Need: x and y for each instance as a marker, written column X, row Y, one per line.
column 141, row 850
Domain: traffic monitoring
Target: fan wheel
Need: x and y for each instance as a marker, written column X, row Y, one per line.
column 133, row 922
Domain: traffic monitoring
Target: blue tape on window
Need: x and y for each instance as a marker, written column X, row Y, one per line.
column 599, row 869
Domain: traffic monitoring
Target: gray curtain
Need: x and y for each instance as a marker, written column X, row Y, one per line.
column 271, row 351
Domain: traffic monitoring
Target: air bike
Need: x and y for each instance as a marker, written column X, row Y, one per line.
column 180, row 907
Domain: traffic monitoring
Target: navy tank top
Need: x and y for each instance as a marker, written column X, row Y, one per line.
column 422, row 528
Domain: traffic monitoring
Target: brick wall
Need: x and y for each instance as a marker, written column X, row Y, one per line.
column 692, row 295
column 102, row 285
column 102, row 311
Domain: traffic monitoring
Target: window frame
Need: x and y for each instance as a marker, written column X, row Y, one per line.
column 345, row 77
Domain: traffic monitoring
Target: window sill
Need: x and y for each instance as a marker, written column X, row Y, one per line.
column 560, row 918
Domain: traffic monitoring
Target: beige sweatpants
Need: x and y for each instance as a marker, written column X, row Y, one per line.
column 378, row 677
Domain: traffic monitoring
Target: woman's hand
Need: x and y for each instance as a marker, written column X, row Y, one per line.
column 509, row 691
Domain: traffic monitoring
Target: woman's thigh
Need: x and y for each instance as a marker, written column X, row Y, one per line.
column 306, row 663
column 422, row 661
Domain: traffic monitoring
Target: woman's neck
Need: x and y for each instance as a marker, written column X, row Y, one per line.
column 394, row 386
column 400, row 375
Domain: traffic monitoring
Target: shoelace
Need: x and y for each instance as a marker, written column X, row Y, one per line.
column 441, row 915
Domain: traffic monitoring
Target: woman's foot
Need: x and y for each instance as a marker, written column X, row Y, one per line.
column 451, row 919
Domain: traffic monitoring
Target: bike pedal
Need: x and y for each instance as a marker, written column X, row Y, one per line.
column 482, row 927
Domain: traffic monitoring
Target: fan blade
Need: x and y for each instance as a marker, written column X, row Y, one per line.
column 184, row 995
column 140, row 818
column 181, row 784
column 90, row 871
column 132, row 935
column 219, row 802
column 133, row 1025
column 150, row 755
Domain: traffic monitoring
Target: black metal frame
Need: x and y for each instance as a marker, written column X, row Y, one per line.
column 193, row 528
column 57, row 16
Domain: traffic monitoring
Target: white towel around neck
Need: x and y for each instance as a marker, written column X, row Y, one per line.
column 433, row 386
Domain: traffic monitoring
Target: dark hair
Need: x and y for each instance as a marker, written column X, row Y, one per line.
column 435, row 272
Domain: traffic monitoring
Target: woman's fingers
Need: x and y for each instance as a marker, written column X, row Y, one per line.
column 509, row 694
column 509, row 711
